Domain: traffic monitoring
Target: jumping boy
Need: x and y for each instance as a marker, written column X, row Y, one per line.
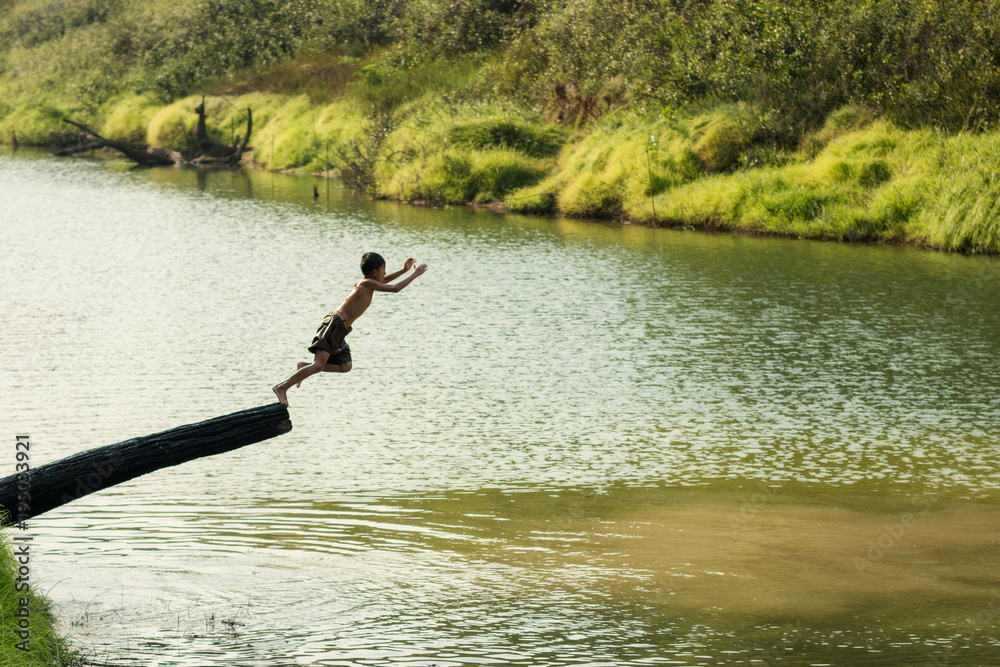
column 331, row 351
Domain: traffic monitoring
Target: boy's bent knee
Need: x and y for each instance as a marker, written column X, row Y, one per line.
column 338, row 368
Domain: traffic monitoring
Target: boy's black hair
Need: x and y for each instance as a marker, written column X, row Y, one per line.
column 371, row 261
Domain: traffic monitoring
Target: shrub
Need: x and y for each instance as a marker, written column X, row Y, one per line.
column 840, row 122
column 874, row 173
column 174, row 126
column 456, row 27
column 721, row 136
column 516, row 135
column 129, row 117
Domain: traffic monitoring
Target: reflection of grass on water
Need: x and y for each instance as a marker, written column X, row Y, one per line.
column 219, row 629
column 674, row 554
column 231, row 624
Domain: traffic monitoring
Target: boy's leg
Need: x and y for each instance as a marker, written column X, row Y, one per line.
column 339, row 362
column 337, row 368
column 329, row 368
column 319, row 362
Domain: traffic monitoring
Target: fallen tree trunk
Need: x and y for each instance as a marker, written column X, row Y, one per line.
column 215, row 152
column 210, row 151
column 82, row 147
column 139, row 154
column 46, row 487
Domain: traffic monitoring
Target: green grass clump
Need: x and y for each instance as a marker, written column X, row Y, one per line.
column 842, row 121
column 45, row 647
column 874, row 174
column 465, row 153
column 848, row 191
column 173, row 126
column 721, row 136
column 962, row 211
column 462, row 176
column 507, row 133
column 879, row 183
column 129, row 118
column 40, row 124
column 613, row 170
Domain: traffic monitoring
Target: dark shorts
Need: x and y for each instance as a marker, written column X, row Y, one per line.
column 330, row 337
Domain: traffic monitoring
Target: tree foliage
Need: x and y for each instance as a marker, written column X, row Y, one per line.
column 915, row 61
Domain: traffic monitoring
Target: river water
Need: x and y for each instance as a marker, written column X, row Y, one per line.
column 568, row 443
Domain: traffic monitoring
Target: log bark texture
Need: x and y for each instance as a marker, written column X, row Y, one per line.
column 139, row 154
column 210, row 151
column 55, row 484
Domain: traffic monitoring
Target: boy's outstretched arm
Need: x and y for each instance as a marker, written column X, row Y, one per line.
column 406, row 267
column 395, row 287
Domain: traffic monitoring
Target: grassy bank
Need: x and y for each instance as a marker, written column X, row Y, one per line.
column 42, row 647
column 856, row 178
column 860, row 121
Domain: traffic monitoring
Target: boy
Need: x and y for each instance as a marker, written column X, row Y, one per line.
column 331, row 352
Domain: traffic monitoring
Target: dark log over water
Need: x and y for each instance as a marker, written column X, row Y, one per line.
column 65, row 480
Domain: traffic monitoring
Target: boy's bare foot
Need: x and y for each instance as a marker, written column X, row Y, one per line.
column 297, row 367
column 280, row 393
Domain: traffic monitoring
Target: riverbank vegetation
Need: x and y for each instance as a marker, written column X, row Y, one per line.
column 871, row 120
column 42, row 647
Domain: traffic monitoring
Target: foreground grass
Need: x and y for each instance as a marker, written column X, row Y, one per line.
column 45, row 647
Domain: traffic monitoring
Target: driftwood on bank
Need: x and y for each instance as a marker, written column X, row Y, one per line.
column 210, row 151
column 135, row 152
column 82, row 147
column 49, row 486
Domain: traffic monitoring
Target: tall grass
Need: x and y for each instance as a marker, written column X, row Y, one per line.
column 880, row 184
column 466, row 152
column 46, row 648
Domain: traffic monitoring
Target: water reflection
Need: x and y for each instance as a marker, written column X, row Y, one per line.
column 568, row 443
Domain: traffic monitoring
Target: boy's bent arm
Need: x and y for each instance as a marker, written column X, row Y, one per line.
column 395, row 287
column 406, row 267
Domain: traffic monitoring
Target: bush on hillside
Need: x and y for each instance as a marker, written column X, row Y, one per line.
column 454, row 27
column 518, row 135
column 722, row 136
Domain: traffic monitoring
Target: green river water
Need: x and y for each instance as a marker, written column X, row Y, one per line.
column 568, row 443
